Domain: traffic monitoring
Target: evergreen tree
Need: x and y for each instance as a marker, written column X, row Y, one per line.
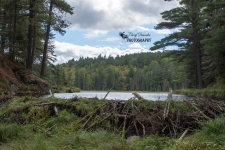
column 187, row 19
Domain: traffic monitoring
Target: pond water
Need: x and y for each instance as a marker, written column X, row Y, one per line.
column 120, row 95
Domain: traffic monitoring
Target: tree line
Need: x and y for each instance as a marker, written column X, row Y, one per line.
column 143, row 72
column 26, row 30
column 200, row 38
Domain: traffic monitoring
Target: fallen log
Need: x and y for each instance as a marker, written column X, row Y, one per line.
column 138, row 96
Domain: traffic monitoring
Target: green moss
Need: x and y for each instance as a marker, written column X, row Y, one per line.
column 25, row 87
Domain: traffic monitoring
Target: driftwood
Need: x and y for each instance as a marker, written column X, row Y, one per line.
column 167, row 107
column 138, row 96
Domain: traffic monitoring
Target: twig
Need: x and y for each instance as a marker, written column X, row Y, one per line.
column 143, row 127
column 206, row 117
column 56, row 111
column 91, row 113
column 107, row 93
column 99, row 122
column 124, row 126
column 47, row 103
column 135, row 125
column 185, row 132
column 87, row 121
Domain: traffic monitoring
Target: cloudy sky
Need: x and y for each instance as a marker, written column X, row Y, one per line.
column 96, row 24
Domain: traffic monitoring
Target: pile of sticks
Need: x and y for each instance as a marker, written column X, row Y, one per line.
column 132, row 118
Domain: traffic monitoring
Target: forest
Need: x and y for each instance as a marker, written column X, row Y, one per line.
column 26, row 31
column 140, row 72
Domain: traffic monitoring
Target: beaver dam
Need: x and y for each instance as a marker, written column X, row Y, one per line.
column 133, row 117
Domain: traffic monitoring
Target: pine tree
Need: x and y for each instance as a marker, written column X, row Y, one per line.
column 187, row 19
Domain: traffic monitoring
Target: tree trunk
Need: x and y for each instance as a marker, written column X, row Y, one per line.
column 34, row 41
column 14, row 31
column 29, row 36
column 196, row 45
column 46, row 40
column 3, row 35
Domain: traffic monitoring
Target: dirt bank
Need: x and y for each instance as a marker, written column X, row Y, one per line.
column 15, row 80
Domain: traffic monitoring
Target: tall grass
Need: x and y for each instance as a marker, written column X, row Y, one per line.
column 9, row 132
column 210, row 137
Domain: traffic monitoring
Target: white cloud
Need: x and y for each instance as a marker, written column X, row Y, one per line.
column 66, row 51
column 94, row 34
column 164, row 31
column 135, row 46
column 143, row 28
column 112, row 39
column 117, row 14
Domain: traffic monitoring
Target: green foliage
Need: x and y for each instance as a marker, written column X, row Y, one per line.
column 211, row 136
column 65, row 89
column 23, row 28
column 153, row 143
column 25, row 87
column 63, row 118
column 99, row 139
column 9, row 132
column 215, row 90
column 144, row 72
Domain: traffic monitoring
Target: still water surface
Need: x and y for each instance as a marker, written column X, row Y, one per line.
column 120, row 95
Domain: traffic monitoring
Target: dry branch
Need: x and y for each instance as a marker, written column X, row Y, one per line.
column 47, row 103
column 56, row 111
column 185, row 132
column 138, row 96
column 132, row 119
column 107, row 93
column 167, row 107
column 206, row 117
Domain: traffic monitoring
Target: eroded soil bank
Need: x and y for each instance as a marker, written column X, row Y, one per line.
column 15, row 80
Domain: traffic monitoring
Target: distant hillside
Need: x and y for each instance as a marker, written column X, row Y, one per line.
column 142, row 72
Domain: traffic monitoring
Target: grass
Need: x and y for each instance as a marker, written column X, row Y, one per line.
column 26, row 126
column 207, row 93
column 215, row 90
column 211, row 136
